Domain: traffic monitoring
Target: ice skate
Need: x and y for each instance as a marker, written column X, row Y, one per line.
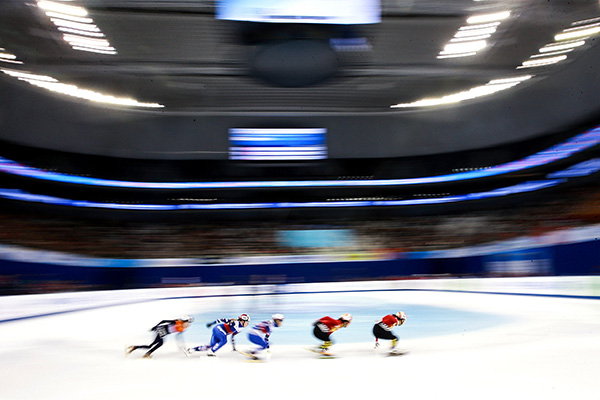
column 128, row 350
column 397, row 352
column 321, row 350
column 148, row 356
column 250, row 355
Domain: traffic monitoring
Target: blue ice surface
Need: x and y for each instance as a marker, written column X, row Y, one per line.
column 302, row 310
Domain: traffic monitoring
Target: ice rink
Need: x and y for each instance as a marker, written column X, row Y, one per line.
column 460, row 345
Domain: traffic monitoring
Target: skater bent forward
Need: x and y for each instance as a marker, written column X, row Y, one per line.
column 325, row 326
column 162, row 329
column 383, row 328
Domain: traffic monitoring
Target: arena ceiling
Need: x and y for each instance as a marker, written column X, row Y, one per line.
column 167, row 79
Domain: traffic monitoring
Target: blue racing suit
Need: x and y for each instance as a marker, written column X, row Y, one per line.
column 259, row 334
column 222, row 330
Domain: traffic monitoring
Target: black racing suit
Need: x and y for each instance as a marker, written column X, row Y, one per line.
column 162, row 330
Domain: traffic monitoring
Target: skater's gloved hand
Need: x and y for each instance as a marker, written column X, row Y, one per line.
column 210, row 324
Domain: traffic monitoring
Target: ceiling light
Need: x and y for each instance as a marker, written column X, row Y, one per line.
column 577, row 33
column 457, row 55
column 474, row 32
column 79, row 30
column 27, row 76
column 8, row 56
column 479, row 19
column 11, row 61
column 80, row 33
column 517, row 79
column 75, row 25
column 469, row 38
column 561, row 46
column 479, row 26
column 74, row 91
column 463, row 47
column 493, row 86
column 554, row 53
column 86, row 41
column 586, row 21
column 93, row 50
column 82, row 20
column 542, row 62
column 62, row 8
column 53, row 85
column 582, row 26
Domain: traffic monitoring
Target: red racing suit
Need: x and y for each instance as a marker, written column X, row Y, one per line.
column 389, row 321
column 329, row 325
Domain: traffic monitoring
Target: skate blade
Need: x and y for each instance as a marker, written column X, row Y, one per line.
column 251, row 357
column 397, row 353
column 321, row 353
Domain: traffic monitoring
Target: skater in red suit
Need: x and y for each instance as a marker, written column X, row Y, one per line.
column 326, row 326
column 383, row 328
column 162, row 329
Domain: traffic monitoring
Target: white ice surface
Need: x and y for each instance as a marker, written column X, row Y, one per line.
column 526, row 348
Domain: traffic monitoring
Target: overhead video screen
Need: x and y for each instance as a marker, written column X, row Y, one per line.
column 344, row 12
column 274, row 144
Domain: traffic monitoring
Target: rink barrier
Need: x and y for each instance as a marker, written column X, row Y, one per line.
column 97, row 274
column 14, row 308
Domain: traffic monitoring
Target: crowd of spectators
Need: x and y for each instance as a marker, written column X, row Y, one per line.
column 221, row 239
column 217, row 241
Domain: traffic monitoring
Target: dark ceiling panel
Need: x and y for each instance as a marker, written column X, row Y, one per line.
column 176, row 54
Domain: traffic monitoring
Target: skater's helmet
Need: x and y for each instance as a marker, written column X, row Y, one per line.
column 277, row 319
column 244, row 317
column 346, row 317
column 187, row 318
column 401, row 316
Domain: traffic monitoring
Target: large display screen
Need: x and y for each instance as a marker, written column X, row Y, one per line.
column 316, row 238
column 274, row 144
column 344, row 12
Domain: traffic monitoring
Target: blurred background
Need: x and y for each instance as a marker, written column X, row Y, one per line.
column 152, row 144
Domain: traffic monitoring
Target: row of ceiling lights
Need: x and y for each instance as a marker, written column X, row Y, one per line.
column 471, row 38
column 53, row 85
column 79, row 30
column 7, row 57
column 467, row 41
column 564, row 42
column 82, row 33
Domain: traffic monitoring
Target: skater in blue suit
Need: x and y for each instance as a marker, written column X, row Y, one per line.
column 223, row 328
column 259, row 335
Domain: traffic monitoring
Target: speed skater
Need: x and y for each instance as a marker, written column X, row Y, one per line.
column 162, row 329
column 325, row 326
column 260, row 333
column 383, row 328
column 223, row 328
